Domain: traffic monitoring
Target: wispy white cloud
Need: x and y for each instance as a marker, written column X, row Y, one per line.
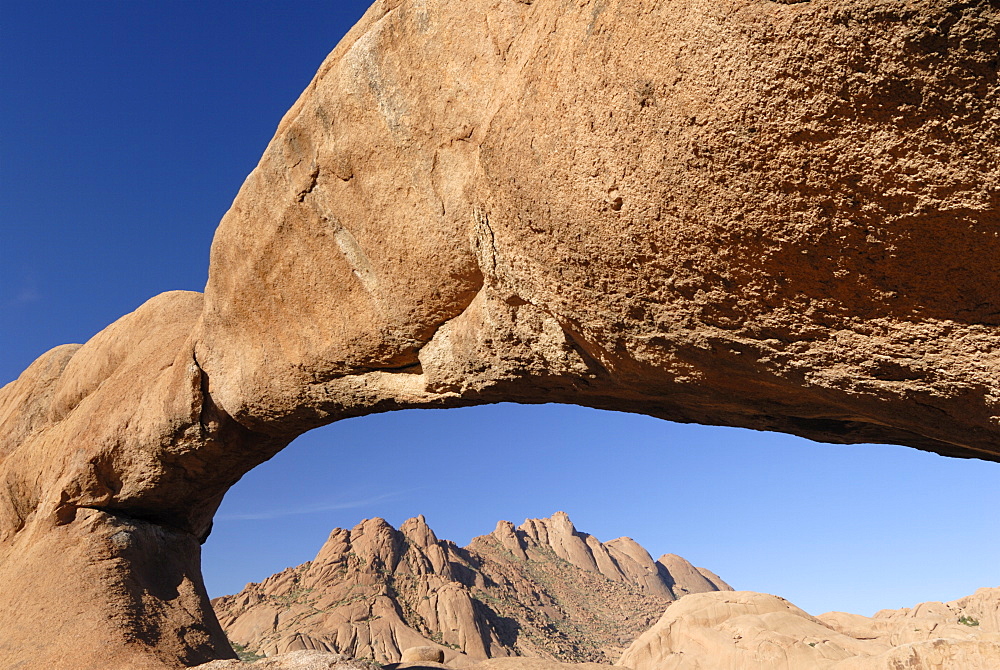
column 311, row 509
column 26, row 295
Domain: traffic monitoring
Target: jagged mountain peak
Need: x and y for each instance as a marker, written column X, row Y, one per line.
column 542, row 589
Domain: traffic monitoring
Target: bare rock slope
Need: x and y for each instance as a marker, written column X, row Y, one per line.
column 295, row 660
column 321, row 660
column 774, row 215
column 753, row 631
column 540, row 590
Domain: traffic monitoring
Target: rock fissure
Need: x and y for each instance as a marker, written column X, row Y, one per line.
column 485, row 244
column 313, row 179
column 131, row 516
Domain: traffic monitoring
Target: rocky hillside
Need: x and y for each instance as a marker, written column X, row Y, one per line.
column 542, row 589
column 756, row 631
column 742, row 630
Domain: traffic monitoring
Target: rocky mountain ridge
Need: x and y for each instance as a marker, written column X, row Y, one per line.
column 743, row 630
column 542, row 589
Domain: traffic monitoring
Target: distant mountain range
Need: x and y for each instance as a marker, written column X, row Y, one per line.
column 542, row 589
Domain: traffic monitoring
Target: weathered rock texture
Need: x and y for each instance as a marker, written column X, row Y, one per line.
column 321, row 660
column 753, row 631
column 296, row 660
column 541, row 590
column 741, row 212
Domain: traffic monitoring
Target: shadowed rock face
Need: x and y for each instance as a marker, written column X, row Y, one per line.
column 739, row 212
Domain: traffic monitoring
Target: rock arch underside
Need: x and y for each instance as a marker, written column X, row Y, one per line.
column 775, row 215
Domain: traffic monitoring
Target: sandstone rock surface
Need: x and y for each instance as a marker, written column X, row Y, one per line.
column 740, row 212
column 422, row 655
column 742, row 630
column 541, row 590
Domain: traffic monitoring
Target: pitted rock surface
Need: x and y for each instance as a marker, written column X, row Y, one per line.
column 737, row 212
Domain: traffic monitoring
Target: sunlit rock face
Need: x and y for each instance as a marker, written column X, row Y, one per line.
column 744, row 212
column 743, row 630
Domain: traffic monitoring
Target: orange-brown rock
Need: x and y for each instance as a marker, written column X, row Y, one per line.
column 109, row 483
column 765, row 214
column 753, row 631
column 542, row 590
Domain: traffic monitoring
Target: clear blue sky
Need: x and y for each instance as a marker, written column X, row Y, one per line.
column 128, row 127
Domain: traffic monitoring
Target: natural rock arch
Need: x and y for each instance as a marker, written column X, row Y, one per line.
column 750, row 213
